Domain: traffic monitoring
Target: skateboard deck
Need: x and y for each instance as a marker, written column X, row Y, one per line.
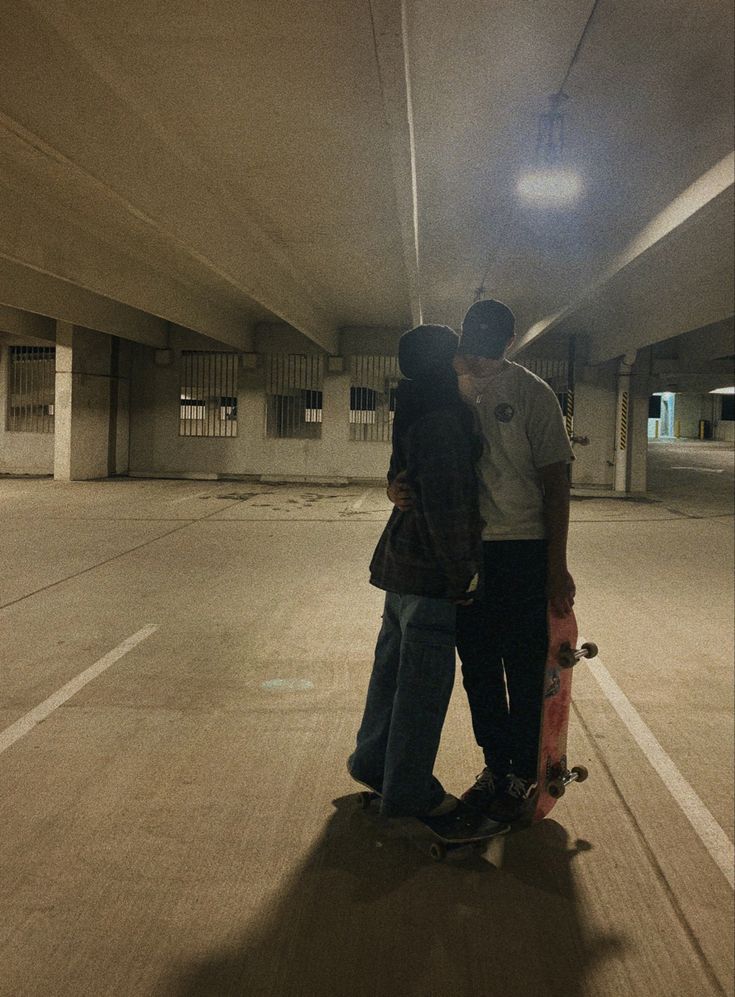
column 426, row 838
column 554, row 774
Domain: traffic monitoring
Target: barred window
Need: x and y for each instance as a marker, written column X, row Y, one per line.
column 32, row 386
column 294, row 395
column 208, row 405
column 373, row 382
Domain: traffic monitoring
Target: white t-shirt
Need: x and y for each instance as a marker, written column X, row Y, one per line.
column 523, row 431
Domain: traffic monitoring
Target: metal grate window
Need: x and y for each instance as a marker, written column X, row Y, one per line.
column 32, row 385
column 294, row 395
column 373, row 381
column 208, row 405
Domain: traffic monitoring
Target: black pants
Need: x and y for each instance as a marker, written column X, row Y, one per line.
column 501, row 640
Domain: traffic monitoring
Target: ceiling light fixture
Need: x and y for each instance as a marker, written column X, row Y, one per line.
column 551, row 183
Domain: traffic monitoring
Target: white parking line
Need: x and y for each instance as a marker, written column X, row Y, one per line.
column 26, row 723
column 708, row 830
column 704, row 470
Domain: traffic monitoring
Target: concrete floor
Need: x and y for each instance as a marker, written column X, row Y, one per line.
column 183, row 823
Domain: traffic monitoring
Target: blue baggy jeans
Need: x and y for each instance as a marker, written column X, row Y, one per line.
column 408, row 695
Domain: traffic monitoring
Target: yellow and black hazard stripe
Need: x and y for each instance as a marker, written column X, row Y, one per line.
column 569, row 413
column 623, row 433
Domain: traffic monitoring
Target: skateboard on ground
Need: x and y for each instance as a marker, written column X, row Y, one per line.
column 426, row 838
column 554, row 774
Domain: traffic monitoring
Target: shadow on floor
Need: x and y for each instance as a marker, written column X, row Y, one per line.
column 369, row 914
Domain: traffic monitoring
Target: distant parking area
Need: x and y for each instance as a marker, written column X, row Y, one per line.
column 693, row 477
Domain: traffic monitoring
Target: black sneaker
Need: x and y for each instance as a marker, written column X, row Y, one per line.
column 486, row 788
column 464, row 823
column 516, row 800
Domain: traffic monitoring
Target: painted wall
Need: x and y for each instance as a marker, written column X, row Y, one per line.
column 156, row 448
column 21, row 453
column 690, row 408
column 724, row 431
column 122, row 404
column 119, row 425
column 595, row 413
column 594, row 418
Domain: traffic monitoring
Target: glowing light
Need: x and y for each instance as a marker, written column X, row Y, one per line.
column 550, row 186
column 723, row 391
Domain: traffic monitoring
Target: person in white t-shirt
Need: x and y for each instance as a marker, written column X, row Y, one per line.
column 524, row 500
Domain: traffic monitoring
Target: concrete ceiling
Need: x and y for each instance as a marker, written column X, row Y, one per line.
column 331, row 163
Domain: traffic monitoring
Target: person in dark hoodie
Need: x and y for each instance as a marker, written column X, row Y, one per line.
column 428, row 561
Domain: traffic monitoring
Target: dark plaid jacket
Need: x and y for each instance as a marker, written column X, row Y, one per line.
column 434, row 549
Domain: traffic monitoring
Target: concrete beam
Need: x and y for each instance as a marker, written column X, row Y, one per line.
column 391, row 51
column 47, row 242
column 173, row 203
column 709, row 343
column 684, row 375
column 674, row 276
column 20, row 323
column 277, row 337
column 30, row 291
column 370, row 339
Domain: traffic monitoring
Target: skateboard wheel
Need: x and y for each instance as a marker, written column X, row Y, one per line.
column 590, row 649
column 556, row 789
column 437, row 851
column 581, row 772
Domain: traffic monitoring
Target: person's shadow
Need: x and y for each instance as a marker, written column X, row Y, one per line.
column 368, row 915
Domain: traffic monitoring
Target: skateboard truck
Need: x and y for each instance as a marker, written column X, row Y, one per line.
column 562, row 777
column 569, row 656
column 558, row 785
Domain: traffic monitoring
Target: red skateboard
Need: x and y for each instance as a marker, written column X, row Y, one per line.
column 553, row 773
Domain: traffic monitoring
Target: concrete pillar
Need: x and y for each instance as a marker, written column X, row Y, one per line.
column 336, row 415
column 622, row 424
column 638, row 432
column 87, row 427
column 121, row 372
column 336, row 406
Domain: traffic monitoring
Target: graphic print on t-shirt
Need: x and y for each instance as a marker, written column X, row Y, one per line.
column 523, row 431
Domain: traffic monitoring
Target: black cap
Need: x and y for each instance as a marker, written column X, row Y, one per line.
column 425, row 348
column 487, row 329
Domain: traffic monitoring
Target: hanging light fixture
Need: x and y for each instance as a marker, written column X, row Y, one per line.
column 551, row 182
column 550, row 141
